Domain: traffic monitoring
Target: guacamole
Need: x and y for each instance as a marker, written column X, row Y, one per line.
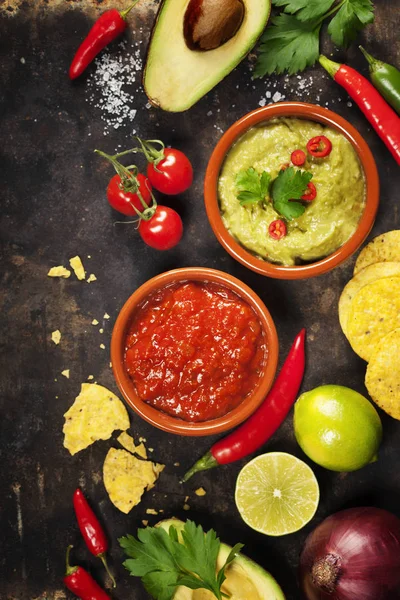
column 328, row 221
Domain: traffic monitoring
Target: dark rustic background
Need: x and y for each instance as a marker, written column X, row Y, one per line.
column 54, row 207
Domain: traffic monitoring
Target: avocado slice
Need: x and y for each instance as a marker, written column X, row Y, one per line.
column 245, row 579
column 175, row 76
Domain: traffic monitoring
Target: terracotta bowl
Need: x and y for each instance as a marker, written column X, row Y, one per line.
column 163, row 420
column 303, row 111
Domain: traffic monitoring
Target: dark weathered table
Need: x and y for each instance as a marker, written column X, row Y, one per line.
column 54, row 207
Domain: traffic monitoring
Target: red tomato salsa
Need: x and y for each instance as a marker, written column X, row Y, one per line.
column 195, row 350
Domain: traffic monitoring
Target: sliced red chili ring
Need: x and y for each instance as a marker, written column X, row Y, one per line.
column 319, row 146
column 311, row 193
column 277, row 229
column 298, row 157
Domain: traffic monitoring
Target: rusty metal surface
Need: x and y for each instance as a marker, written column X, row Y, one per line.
column 54, row 207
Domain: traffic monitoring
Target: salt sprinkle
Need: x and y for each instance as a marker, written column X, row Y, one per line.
column 114, row 85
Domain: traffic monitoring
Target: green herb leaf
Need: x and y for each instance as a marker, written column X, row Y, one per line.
column 288, row 45
column 349, row 20
column 305, row 9
column 288, row 186
column 164, row 562
column 252, row 186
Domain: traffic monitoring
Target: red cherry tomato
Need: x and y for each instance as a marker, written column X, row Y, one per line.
column 311, row 193
column 173, row 174
column 319, row 146
column 164, row 230
column 298, row 158
column 277, row 229
column 123, row 201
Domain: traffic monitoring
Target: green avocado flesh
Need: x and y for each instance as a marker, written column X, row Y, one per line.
column 245, row 579
column 176, row 77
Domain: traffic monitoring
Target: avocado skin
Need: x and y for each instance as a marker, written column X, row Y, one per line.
column 267, row 586
column 192, row 82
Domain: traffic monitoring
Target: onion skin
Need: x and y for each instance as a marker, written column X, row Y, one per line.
column 353, row 555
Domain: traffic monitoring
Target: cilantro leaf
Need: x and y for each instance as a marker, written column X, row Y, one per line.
column 288, row 186
column 252, row 186
column 305, row 9
column 288, row 45
column 164, row 561
column 349, row 20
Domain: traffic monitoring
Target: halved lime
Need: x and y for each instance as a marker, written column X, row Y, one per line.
column 276, row 493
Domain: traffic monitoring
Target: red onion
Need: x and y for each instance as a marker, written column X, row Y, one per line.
column 353, row 555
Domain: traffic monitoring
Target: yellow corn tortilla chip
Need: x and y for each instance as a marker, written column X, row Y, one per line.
column 367, row 275
column 94, row 415
column 382, row 379
column 77, row 266
column 383, row 248
column 374, row 312
column 126, row 478
column 128, row 443
column 56, row 336
column 59, row 272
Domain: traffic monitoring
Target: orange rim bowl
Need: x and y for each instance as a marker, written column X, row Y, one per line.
column 158, row 418
column 313, row 113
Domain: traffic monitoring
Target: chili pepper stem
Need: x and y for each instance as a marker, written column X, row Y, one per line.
column 374, row 63
column 124, row 13
column 206, row 462
column 104, row 561
column 69, row 570
column 331, row 67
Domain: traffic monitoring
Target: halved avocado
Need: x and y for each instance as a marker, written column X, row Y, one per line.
column 175, row 76
column 245, row 579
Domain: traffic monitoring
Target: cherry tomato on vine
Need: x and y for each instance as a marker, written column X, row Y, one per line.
column 171, row 175
column 163, row 230
column 123, row 201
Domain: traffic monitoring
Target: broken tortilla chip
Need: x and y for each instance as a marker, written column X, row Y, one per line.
column 126, row 478
column 95, row 414
column 77, row 266
column 56, row 336
column 59, row 272
column 128, row 443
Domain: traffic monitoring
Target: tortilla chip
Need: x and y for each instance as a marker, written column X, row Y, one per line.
column 382, row 379
column 56, row 336
column 374, row 312
column 77, row 266
column 128, row 443
column 59, row 272
column 126, row 478
column 95, row 414
column 383, row 248
column 371, row 273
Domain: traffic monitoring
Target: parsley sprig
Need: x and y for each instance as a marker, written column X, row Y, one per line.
column 289, row 185
column 164, row 561
column 291, row 41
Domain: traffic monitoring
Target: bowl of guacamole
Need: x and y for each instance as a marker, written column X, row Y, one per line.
column 291, row 190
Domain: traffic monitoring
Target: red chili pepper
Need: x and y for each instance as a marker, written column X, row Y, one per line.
column 91, row 530
column 298, row 158
column 277, row 229
column 378, row 112
column 263, row 423
column 81, row 583
column 108, row 26
column 311, row 193
column 319, row 146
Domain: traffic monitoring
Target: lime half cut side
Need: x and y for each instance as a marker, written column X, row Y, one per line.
column 276, row 493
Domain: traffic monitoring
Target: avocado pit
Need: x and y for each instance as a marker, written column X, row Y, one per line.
column 208, row 24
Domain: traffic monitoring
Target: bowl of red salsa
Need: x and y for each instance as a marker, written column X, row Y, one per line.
column 194, row 351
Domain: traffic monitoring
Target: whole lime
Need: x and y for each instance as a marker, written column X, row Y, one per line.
column 337, row 428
